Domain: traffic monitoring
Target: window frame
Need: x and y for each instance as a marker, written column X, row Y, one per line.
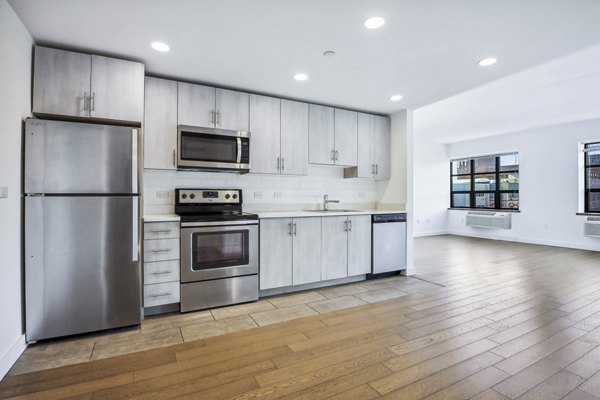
column 587, row 190
column 497, row 192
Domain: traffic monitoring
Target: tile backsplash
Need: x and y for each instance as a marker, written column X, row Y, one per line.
column 263, row 192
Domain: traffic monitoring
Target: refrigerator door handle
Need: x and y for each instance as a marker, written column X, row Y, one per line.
column 134, row 228
column 134, row 161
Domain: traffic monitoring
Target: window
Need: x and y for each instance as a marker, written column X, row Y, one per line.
column 491, row 182
column 592, row 177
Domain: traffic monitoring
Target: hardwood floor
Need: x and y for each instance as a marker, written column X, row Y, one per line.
column 499, row 320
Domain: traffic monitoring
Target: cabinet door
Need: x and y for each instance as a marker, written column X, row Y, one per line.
column 61, row 82
column 366, row 150
column 117, row 89
column 265, row 128
column 160, row 124
column 232, row 110
column 294, row 137
column 359, row 245
column 275, row 253
column 383, row 141
column 307, row 251
column 321, row 134
column 334, row 247
column 196, row 105
column 346, row 137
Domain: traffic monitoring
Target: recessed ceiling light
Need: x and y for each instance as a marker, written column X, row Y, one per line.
column 396, row 97
column 300, row 77
column 374, row 22
column 487, row 62
column 160, row 46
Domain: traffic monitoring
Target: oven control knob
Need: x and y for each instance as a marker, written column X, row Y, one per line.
column 192, row 196
column 227, row 196
column 184, row 196
column 235, row 196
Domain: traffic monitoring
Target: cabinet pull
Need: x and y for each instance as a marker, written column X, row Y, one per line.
column 162, row 273
column 93, row 102
column 336, row 156
column 345, row 226
column 282, row 164
column 295, row 229
column 349, row 225
column 212, row 117
column 372, row 169
column 218, row 118
column 376, row 169
column 85, row 97
column 290, row 229
column 160, row 250
column 174, row 158
column 161, row 294
column 333, row 155
column 278, row 163
column 161, row 230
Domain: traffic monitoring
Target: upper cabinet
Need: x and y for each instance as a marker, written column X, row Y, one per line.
column 332, row 136
column 160, row 124
column 211, row 107
column 374, row 141
column 71, row 84
column 294, row 137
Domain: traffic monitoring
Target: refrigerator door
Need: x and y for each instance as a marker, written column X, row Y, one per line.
column 71, row 157
column 82, row 270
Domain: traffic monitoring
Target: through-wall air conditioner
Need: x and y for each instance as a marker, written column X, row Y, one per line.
column 591, row 227
column 488, row 219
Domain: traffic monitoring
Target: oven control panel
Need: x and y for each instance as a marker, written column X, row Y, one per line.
column 207, row 196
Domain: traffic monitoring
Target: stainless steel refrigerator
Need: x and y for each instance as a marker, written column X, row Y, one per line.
column 82, row 269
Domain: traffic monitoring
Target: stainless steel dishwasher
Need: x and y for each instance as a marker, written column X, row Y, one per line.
column 389, row 242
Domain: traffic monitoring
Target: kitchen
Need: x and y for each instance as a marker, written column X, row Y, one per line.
column 167, row 210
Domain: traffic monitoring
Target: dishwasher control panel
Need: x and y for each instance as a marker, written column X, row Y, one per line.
column 383, row 218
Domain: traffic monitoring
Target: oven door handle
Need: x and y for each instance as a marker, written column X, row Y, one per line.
column 217, row 223
column 239, row 150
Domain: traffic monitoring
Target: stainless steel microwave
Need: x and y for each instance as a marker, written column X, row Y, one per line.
column 212, row 149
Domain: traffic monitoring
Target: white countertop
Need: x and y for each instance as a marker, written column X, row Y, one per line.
column 332, row 213
column 161, row 218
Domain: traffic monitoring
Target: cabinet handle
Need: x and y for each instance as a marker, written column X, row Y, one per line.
column 160, row 250
column 161, row 294
column 282, row 164
column 161, row 230
column 85, row 96
column 345, row 226
column 333, row 155
column 278, row 163
column 93, row 102
column 336, row 155
column 349, row 225
column 376, row 169
column 372, row 169
column 212, row 117
column 162, row 273
column 290, row 229
column 295, row 229
column 218, row 118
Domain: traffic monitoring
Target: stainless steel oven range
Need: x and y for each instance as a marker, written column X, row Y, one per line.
column 219, row 248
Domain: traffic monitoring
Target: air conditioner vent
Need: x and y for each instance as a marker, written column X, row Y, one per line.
column 488, row 219
column 591, row 227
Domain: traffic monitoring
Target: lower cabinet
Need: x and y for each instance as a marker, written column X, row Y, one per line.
column 288, row 255
column 296, row 251
column 161, row 263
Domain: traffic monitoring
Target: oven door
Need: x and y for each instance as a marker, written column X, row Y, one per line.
column 209, row 148
column 218, row 251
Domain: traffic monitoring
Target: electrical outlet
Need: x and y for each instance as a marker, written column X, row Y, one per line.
column 162, row 194
column 258, row 195
column 3, row 192
column 277, row 195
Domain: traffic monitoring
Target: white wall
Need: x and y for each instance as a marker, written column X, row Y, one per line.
column 549, row 184
column 15, row 88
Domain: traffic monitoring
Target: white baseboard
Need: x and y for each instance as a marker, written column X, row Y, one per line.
column 430, row 233
column 541, row 242
column 12, row 355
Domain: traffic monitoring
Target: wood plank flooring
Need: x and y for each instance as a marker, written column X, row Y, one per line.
column 500, row 320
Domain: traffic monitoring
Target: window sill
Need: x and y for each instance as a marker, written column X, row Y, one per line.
column 591, row 214
column 486, row 209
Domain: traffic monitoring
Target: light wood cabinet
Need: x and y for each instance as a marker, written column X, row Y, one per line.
column 160, row 124
column 72, row 84
column 374, row 143
column 161, row 263
column 306, row 255
column 232, row 108
column 294, row 137
column 275, row 253
column 346, row 137
column 265, row 128
column 335, row 247
column 382, row 145
column 321, row 135
column 359, row 245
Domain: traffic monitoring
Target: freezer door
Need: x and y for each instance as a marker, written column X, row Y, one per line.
column 82, row 270
column 72, row 157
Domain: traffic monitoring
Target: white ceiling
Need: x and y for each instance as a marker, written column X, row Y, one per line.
column 427, row 50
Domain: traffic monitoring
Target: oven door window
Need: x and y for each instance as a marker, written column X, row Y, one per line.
column 219, row 249
column 206, row 147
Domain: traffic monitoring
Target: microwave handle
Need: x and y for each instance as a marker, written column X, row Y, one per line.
column 239, row 150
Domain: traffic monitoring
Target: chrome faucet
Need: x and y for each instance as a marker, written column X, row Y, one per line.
column 326, row 202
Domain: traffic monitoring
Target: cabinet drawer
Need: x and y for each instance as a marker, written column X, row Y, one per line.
column 161, row 230
column 161, row 293
column 161, row 250
column 160, row 272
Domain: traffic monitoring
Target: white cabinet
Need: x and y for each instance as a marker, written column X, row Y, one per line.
column 72, row 84
column 288, row 255
column 374, row 142
column 207, row 106
column 294, row 137
column 160, row 124
column 265, row 128
column 334, row 247
column 161, row 263
column 306, row 264
column 359, row 245
column 333, row 136
column 275, row 253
